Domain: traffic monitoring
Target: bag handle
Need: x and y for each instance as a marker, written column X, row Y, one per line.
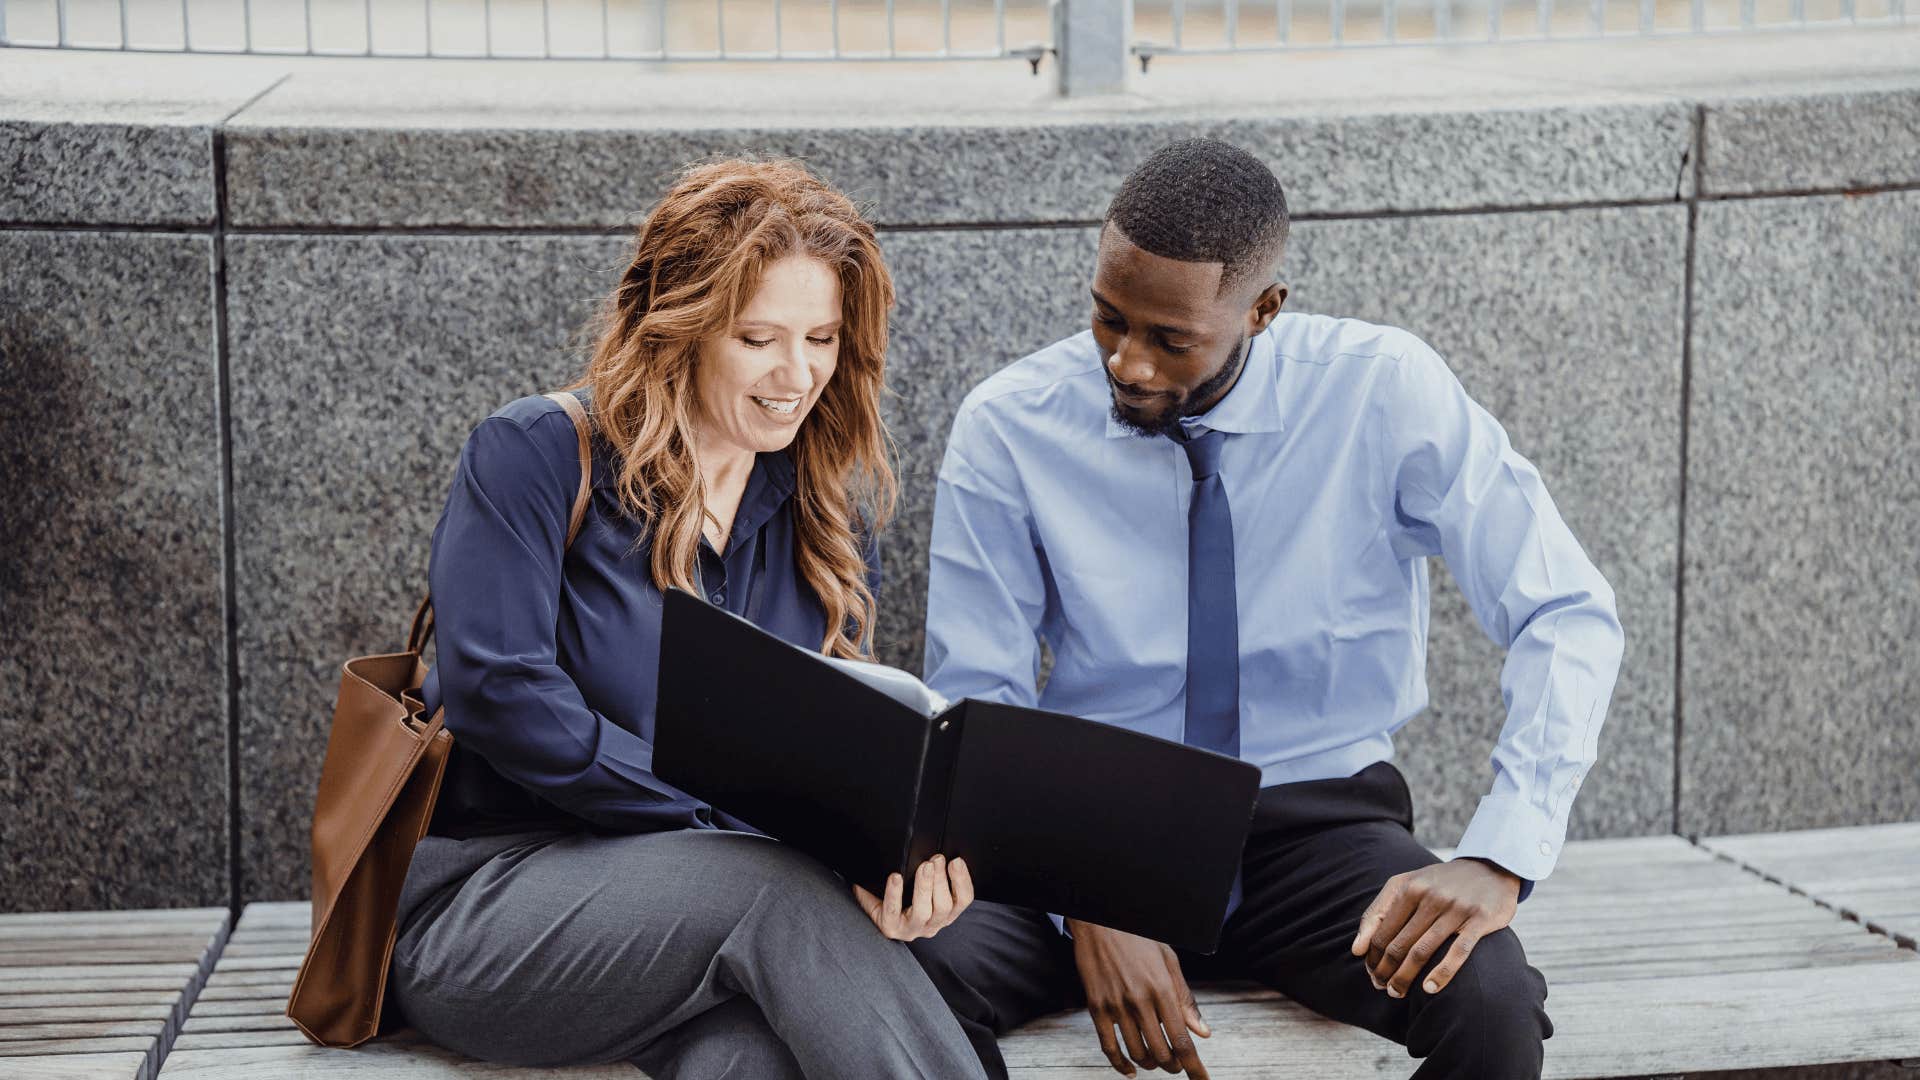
column 420, row 631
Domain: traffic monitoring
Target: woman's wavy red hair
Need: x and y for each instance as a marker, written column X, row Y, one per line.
column 697, row 261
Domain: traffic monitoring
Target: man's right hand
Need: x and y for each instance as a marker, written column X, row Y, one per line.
column 1135, row 984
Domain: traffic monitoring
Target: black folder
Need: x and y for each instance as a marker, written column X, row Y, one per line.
column 1049, row 811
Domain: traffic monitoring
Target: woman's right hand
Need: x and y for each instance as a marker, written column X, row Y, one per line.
column 941, row 891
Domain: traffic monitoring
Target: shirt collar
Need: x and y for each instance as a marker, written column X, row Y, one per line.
column 768, row 487
column 1253, row 405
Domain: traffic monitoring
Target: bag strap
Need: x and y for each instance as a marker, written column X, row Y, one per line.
column 582, row 426
column 420, row 631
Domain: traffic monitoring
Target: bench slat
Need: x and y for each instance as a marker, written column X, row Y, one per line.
column 1871, row 872
column 134, row 998
column 122, row 1066
column 397, row 1057
column 37, row 1047
column 206, row 916
column 82, row 1029
column 245, row 992
column 55, row 1014
column 1609, row 1029
column 200, row 1022
column 223, row 1039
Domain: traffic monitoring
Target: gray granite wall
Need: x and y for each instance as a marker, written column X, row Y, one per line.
column 1742, row 467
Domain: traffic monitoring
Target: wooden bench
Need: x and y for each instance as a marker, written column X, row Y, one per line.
column 1663, row 958
column 1869, row 874
column 100, row 994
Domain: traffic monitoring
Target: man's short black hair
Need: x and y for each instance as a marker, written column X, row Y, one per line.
column 1203, row 200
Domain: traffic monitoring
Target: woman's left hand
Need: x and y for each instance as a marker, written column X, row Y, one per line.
column 941, row 891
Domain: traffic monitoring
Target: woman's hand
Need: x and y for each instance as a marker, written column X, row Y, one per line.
column 941, row 891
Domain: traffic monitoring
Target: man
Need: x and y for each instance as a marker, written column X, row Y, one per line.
column 1218, row 517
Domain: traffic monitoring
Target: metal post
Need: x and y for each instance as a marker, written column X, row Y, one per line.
column 1091, row 37
column 123, row 21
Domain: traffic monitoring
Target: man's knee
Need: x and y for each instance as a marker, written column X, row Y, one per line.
column 953, row 962
column 1491, row 1019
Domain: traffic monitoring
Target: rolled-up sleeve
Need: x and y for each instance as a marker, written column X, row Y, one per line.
column 1461, row 491
column 494, row 575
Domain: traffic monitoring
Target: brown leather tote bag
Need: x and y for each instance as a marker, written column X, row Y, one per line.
column 377, row 789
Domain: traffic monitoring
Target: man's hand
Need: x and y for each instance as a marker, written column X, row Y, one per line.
column 1135, row 983
column 941, row 891
column 1416, row 912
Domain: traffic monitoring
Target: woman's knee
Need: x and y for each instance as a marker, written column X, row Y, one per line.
column 731, row 1041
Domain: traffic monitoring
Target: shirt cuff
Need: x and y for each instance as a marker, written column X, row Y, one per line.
column 1513, row 833
column 1526, row 886
column 1059, row 923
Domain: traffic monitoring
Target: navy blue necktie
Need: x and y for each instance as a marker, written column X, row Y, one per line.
column 1213, row 614
column 1213, row 617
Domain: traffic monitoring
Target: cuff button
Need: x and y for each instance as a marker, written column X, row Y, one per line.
column 1546, row 848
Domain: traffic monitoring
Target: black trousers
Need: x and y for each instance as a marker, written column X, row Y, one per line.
column 1317, row 854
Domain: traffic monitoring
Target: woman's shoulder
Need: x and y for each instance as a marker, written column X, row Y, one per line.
column 531, row 410
column 544, row 429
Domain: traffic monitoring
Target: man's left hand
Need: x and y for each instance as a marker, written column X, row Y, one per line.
column 1416, row 912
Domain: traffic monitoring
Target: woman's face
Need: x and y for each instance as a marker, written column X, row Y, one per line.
column 755, row 383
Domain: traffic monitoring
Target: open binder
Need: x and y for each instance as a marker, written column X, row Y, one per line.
column 866, row 769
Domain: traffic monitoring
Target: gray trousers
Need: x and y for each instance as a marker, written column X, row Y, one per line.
column 691, row 954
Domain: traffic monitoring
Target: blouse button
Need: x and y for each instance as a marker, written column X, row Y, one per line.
column 719, row 596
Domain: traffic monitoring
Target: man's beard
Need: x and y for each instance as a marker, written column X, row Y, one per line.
column 1163, row 422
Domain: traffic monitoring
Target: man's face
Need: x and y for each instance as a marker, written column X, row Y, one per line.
column 1171, row 343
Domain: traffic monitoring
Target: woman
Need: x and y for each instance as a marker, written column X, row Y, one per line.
column 568, row 906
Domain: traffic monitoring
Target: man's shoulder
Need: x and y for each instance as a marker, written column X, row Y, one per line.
column 1052, row 379
column 1341, row 341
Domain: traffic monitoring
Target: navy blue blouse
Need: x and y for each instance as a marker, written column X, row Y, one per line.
column 546, row 664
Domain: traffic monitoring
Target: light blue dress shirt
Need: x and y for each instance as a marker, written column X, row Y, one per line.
column 1353, row 453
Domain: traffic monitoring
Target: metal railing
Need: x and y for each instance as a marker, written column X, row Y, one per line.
column 1092, row 41
column 1230, row 26
column 662, row 30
